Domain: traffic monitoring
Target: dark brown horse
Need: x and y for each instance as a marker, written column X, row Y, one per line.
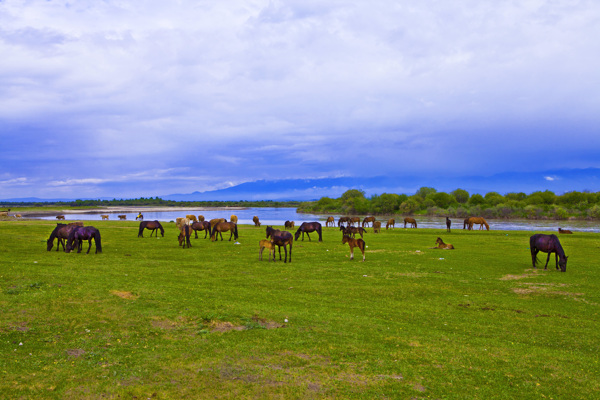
column 221, row 227
column 368, row 220
column 289, row 224
column 548, row 244
column 184, row 236
column 354, row 243
column 377, row 227
column 201, row 226
column 256, row 221
column 411, row 221
column 153, row 226
column 281, row 239
column 61, row 232
column 354, row 220
column 308, row 227
column 448, row 224
column 81, row 233
column 352, row 231
column 343, row 220
column 560, row 230
column 390, row 224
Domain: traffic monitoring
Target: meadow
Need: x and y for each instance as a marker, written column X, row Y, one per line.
column 148, row 319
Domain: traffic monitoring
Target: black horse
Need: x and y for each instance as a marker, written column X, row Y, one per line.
column 81, row 233
column 201, row 226
column 448, row 224
column 308, row 227
column 281, row 238
column 153, row 226
column 548, row 244
column 61, row 232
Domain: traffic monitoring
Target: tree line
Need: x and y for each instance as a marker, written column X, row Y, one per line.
column 460, row 203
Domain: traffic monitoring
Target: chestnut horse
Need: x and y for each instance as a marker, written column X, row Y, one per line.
column 289, row 224
column 233, row 218
column 279, row 239
column 256, row 221
column 104, row 217
column 560, row 230
column 478, row 220
column 354, row 243
column 266, row 244
column 308, row 227
column 60, row 217
column 441, row 245
column 184, row 236
column 390, row 224
column 153, row 226
column 221, row 227
column 411, row 221
column 548, row 244
column 377, row 227
column 201, row 226
column 343, row 220
column 354, row 220
column 330, row 221
column 122, row 217
column 367, row 220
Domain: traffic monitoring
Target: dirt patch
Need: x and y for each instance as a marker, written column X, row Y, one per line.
column 256, row 322
column 523, row 276
column 75, row 353
column 544, row 288
column 125, row 295
column 164, row 324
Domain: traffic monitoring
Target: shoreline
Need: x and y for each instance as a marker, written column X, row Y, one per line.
column 118, row 209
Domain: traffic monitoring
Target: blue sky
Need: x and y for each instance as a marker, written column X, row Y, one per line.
column 148, row 98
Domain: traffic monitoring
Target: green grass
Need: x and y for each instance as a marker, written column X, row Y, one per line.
column 147, row 318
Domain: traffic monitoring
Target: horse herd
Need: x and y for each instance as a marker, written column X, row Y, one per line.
column 71, row 236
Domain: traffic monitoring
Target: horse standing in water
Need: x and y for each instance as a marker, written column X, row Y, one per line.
column 308, row 227
column 153, row 226
column 279, row 239
column 411, row 221
column 330, row 221
column 548, row 244
column 354, row 243
column 81, row 233
column 367, row 220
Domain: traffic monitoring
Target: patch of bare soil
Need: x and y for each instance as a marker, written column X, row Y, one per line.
column 75, row 353
column 544, row 288
column 125, row 295
column 226, row 326
column 532, row 272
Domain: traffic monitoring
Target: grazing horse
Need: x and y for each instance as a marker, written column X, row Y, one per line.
column 289, row 224
column 184, row 236
column 215, row 221
column 61, row 232
column 60, row 217
column 478, row 220
column 441, row 245
column 122, row 217
column 279, row 239
column 354, row 243
column 201, row 226
column 330, row 221
column 352, row 231
column 140, row 216
column 153, row 226
column 104, row 217
column 548, row 244
column 368, row 220
column 448, row 224
column 354, row 220
column 268, row 244
column 308, row 227
column 233, row 219
column 391, row 223
column 411, row 221
column 377, row 227
column 343, row 220
column 191, row 217
column 560, row 230
column 81, row 233
column 200, row 218
column 221, row 227
column 256, row 221
column 466, row 223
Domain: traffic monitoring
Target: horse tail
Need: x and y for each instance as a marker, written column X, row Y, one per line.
column 141, row 232
column 98, row 242
column 235, row 232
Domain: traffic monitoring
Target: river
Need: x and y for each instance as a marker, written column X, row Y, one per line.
column 278, row 215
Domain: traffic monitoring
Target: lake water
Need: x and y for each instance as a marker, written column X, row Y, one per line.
column 278, row 215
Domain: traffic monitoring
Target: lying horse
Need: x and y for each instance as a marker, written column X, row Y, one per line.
column 153, row 226
column 266, row 244
column 390, row 224
column 330, row 221
column 478, row 220
column 201, row 226
column 81, row 233
column 289, row 224
column 411, row 221
column 441, row 245
column 61, row 232
column 368, row 220
column 308, row 227
column 560, row 230
column 352, row 231
column 224, row 227
column 354, row 243
column 184, row 236
column 548, row 244
column 279, row 239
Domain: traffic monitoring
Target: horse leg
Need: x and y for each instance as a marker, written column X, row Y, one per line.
column 556, row 259
column 547, row 260
column 89, row 245
column 285, row 250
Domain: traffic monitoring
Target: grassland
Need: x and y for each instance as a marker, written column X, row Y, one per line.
column 148, row 319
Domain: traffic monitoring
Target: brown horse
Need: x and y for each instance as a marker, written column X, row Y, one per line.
column 266, row 244
column 153, row 226
column 60, row 217
column 390, row 224
column 215, row 221
column 352, row 231
column 411, row 221
column 281, row 239
column 478, row 220
column 376, row 226
column 441, row 245
column 354, row 243
column 354, row 220
column 308, row 227
column 560, row 230
column 343, row 220
column 256, row 221
column 191, row 217
column 221, row 227
column 61, row 232
column 122, row 217
column 233, row 219
column 200, row 218
column 330, row 221
column 548, row 244
column 289, row 224
column 448, row 224
column 201, row 226
column 466, row 223
column 184, row 236
column 104, row 217
column 368, row 220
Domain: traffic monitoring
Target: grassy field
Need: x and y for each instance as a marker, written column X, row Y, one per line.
column 148, row 319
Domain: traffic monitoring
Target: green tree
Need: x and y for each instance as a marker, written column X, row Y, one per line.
column 493, row 198
column 476, row 200
column 424, row 191
column 461, row 196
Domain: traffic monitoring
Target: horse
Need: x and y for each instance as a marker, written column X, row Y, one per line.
column 411, row 221
column 377, row 227
column 352, row 231
column 122, row 217
column 256, row 221
column 367, row 220
column 18, row 216
column 61, row 232
column 279, row 239
column 140, row 216
column 201, row 226
column 466, row 223
column 441, row 245
column 233, row 219
column 390, row 224
column 560, row 230
column 215, row 221
column 191, row 217
column 200, row 218
column 180, row 222
column 104, row 217
column 548, row 244
column 448, row 223
column 266, row 243
column 330, row 221
column 308, row 227
column 478, row 220
column 289, row 224
column 184, row 236
column 224, row 227
column 343, row 220
column 59, row 217
column 153, row 226
column 354, row 243
column 81, row 233
column 354, row 220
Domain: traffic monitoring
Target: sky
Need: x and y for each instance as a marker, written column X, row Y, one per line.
column 126, row 99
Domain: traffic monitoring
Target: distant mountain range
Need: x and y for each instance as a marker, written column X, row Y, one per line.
column 558, row 181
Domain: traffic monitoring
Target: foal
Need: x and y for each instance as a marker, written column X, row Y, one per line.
column 265, row 243
column 354, row 243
